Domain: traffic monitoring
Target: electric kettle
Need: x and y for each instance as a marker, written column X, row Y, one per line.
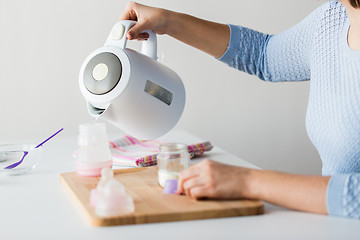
column 131, row 89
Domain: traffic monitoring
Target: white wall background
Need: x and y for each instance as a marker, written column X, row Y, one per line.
column 43, row 44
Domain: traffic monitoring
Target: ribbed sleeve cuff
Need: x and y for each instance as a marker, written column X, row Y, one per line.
column 334, row 195
column 233, row 46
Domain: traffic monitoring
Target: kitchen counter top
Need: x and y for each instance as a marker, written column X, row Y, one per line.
column 36, row 206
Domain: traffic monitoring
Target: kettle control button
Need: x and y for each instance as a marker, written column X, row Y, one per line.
column 117, row 31
column 100, row 71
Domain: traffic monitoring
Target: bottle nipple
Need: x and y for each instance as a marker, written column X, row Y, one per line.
column 106, row 175
column 110, row 198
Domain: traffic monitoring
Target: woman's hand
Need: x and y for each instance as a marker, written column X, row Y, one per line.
column 210, row 179
column 210, row 37
column 148, row 18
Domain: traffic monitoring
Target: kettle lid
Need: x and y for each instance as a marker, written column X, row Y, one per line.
column 102, row 73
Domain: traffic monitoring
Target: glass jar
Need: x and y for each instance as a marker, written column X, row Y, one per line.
column 171, row 160
column 93, row 153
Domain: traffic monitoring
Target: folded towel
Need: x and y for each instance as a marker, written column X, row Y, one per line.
column 130, row 151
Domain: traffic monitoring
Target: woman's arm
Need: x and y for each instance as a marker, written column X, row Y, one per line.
column 210, row 179
column 300, row 192
column 210, row 37
column 281, row 57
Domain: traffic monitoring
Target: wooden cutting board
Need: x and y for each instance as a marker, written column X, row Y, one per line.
column 151, row 205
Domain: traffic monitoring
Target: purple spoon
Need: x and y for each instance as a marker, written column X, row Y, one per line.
column 26, row 153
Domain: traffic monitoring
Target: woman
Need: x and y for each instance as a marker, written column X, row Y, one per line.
column 324, row 47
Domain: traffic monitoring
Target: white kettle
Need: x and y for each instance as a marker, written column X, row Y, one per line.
column 132, row 90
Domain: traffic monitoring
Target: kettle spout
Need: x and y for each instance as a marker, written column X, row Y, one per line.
column 95, row 111
column 104, row 112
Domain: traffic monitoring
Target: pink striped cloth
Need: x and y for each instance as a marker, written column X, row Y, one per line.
column 129, row 151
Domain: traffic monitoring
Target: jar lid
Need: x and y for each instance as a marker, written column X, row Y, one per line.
column 173, row 147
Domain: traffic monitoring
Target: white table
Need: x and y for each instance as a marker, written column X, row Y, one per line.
column 36, row 206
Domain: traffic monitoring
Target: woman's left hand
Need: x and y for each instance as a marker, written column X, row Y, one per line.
column 210, row 179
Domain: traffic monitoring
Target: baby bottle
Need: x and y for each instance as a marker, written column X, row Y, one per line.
column 171, row 160
column 93, row 152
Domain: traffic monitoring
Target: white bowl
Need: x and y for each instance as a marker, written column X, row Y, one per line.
column 12, row 153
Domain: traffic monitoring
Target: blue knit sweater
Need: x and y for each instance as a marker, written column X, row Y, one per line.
column 315, row 49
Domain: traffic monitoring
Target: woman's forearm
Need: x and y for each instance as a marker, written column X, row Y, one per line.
column 210, row 37
column 300, row 192
column 210, row 179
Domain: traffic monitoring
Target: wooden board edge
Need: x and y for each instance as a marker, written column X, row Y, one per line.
column 64, row 183
column 185, row 217
column 131, row 219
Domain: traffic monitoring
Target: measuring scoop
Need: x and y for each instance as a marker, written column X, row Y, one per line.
column 26, row 152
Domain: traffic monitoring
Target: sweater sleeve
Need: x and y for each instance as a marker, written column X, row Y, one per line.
column 281, row 57
column 343, row 196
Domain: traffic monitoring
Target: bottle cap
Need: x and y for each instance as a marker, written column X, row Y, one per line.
column 170, row 186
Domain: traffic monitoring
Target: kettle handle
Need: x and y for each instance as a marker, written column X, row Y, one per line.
column 117, row 37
